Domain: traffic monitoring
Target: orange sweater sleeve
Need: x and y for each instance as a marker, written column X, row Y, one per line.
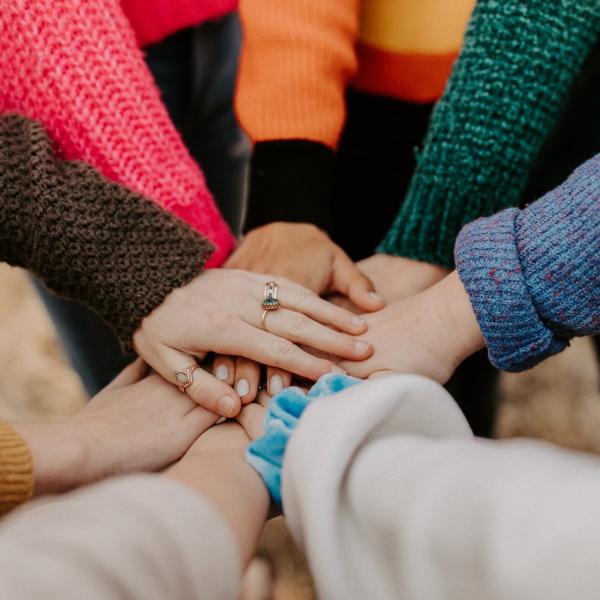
column 16, row 472
column 297, row 59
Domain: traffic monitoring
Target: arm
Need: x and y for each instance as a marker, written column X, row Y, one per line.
column 86, row 238
column 397, row 500
column 506, row 93
column 75, row 67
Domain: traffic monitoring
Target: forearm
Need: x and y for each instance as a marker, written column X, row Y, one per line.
column 100, row 104
column 86, row 238
column 506, row 93
column 297, row 58
column 533, row 276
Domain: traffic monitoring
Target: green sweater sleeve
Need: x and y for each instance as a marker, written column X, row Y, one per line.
column 506, row 94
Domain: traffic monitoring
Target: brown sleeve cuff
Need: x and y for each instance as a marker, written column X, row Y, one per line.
column 16, row 471
column 89, row 239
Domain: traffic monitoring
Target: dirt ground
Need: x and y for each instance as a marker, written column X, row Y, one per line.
column 558, row 401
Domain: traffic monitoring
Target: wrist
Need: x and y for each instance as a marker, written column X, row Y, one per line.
column 58, row 457
column 458, row 323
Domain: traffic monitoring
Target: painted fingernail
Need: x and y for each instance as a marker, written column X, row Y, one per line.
column 358, row 321
column 375, row 296
column 222, row 372
column 242, row 387
column 227, row 406
column 276, row 384
column 338, row 369
column 361, row 346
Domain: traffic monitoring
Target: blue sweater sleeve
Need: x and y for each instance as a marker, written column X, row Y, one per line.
column 533, row 275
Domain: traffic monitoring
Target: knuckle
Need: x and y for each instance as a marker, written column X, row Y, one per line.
column 283, row 348
column 298, row 322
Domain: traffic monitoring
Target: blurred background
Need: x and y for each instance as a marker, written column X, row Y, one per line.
column 558, row 401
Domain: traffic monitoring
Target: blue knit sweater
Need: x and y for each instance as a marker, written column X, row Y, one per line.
column 533, row 275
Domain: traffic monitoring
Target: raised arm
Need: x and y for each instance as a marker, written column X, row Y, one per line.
column 505, row 95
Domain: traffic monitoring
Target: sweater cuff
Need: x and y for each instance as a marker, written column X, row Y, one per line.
column 290, row 180
column 487, row 260
column 16, row 471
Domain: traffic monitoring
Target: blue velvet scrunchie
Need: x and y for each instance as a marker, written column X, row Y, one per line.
column 266, row 454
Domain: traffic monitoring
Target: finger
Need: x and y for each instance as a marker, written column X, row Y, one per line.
column 277, row 380
column 131, row 374
column 299, row 299
column 350, row 281
column 267, row 349
column 301, row 329
column 205, row 389
column 247, row 378
column 252, row 418
column 224, row 369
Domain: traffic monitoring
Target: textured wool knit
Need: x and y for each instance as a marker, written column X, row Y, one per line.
column 74, row 65
column 298, row 59
column 16, row 471
column 87, row 238
column 519, row 60
column 533, row 275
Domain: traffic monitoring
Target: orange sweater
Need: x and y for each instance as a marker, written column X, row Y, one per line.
column 299, row 56
column 16, row 473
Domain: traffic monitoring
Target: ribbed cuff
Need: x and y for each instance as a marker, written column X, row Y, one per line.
column 489, row 267
column 290, row 180
column 16, row 470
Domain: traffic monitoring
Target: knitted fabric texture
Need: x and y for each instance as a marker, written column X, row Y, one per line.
column 533, row 275
column 89, row 239
column 506, row 93
column 74, row 65
column 16, row 471
column 267, row 453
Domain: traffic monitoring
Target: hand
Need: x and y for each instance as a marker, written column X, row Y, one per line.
column 305, row 254
column 429, row 333
column 134, row 424
column 395, row 277
column 220, row 311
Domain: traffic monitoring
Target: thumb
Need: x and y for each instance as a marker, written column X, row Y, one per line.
column 348, row 280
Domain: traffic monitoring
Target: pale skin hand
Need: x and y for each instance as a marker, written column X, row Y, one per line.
column 220, row 310
column 302, row 253
column 429, row 333
column 135, row 424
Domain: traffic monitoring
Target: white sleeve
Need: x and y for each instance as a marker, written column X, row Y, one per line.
column 391, row 497
column 138, row 537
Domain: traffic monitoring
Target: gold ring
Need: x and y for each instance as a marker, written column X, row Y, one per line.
column 262, row 319
column 270, row 302
column 185, row 377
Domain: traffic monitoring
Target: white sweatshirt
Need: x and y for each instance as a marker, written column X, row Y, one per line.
column 384, row 487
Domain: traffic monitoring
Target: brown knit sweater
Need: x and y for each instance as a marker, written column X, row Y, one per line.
column 89, row 239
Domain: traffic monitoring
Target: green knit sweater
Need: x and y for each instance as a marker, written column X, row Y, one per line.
column 508, row 88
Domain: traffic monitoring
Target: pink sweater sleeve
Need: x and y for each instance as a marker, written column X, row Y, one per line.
column 74, row 66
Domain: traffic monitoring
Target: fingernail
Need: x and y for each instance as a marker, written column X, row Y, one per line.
column 358, row 321
column 338, row 369
column 242, row 387
column 276, row 384
column 226, row 406
column 375, row 296
column 361, row 346
column 222, row 372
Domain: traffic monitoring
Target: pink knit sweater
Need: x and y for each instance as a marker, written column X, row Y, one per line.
column 75, row 66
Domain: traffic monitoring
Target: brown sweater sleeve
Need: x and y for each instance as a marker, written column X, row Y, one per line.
column 89, row 239
column 16, row 472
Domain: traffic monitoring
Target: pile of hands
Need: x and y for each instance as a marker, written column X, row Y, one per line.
column 382, row 314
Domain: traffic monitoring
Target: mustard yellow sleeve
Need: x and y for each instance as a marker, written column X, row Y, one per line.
column 16, row 472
